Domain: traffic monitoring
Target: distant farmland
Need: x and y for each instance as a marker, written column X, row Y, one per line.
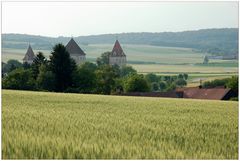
column 153, row 59
column 39, row 125
column 137, row 53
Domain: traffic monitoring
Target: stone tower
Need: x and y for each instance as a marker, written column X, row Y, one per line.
column 29, row 56
column 117, row 55
column 75, row 52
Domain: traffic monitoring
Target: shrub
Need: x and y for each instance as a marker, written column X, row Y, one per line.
column 19, row 79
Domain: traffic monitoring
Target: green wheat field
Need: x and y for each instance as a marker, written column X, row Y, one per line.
column 40, row 125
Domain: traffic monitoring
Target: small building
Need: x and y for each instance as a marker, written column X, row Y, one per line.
column 117, row 55
column 217, row 93
column 29, row 56
column 75, row 52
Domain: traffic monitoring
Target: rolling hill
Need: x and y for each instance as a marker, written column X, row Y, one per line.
column 215, row 41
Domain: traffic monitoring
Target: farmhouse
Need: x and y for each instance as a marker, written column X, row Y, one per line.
column 117, row 55
column 76, row 52
column 29, row 56
column 218, row 93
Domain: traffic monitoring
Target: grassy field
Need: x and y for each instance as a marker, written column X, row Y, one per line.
column 191, row 69
column 140, row 53
column 169, row 61
column 37, row 125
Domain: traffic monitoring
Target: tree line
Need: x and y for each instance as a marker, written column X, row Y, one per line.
column 61, row 74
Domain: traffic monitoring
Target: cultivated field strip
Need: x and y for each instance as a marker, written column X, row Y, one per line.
column 39, row 125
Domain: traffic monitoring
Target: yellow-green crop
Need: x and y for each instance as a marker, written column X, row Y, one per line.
column 74, row 126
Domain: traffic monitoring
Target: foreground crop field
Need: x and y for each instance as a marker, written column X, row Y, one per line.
column 53, row 125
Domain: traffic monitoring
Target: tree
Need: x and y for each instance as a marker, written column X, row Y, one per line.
column 205, row 60
column 171, row 87
column 185, row 76
column 105, row 79
column 173, row 78
column 180, row 76
column 37, row 62
column 136, row 83
column 62, row 66
column 215, row 83
column 151, row 77
column 26, row 65
column 84, row 80
column 11, row 65
column 233, row 84
column 155, row 86
column 181, row 82
column 19, row 79
column 127, row 70
column 103, row 59
column 45, row 79
column 90, row 66
column 162, row 85
column 166, row 78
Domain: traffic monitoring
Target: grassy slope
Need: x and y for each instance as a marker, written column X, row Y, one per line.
column 174, row 60
column 134, row 53
column 50, row 125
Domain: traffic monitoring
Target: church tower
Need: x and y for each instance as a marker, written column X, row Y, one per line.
column 117, row 55
column 29, row 56
column 75, row 52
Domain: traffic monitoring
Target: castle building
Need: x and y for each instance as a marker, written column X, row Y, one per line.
column 117, row 55
column 75, row 52
column 29, row 56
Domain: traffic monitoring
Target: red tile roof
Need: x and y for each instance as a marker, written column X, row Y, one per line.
column 117, row 50
column 204, row 93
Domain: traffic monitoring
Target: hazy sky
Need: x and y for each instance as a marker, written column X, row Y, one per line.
column 90, row 18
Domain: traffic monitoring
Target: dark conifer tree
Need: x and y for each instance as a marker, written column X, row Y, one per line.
column 62, row 67
column 37, row 62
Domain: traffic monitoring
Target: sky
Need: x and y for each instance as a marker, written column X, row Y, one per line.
column 92, row 18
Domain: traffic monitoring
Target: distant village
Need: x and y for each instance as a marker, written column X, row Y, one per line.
column 118, row 57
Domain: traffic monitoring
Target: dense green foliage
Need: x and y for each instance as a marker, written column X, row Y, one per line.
column 216, row 41
column 166, row 83
column 227, row 82
column 19, row 79
column 62, row 67
column 37, row 62
column 103, row 59
column 45, row 79
column 10, row 66
column 39, row 125
column 84, row 79
column 136, row 83
column 233, row 83
column 61, row 74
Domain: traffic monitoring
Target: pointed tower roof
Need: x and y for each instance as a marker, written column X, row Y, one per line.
column 117, row 50
column 29, row 54
column 73, row 48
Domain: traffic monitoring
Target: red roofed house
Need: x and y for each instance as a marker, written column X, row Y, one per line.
column 29, row 56
column 190, row 92
column 75, row 51
column 207, row 93
column 117, row 55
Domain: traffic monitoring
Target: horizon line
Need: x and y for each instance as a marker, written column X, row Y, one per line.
column 124, row 32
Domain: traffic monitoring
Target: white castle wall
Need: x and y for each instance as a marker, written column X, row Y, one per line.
column 117, row 60
column 79, row 58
